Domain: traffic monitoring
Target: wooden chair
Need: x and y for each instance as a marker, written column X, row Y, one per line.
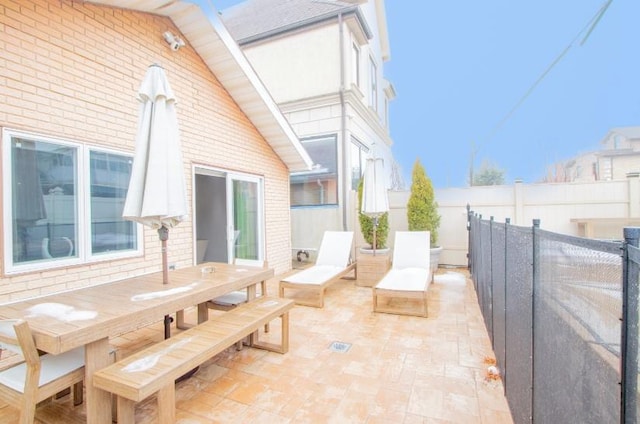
column 36, row 378
column 231, row 300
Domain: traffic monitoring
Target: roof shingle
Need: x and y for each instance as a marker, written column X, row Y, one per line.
column 255, row 19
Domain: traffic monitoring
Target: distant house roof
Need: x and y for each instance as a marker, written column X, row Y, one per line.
column 211, row 40
column 254, row 20
column 630, row 133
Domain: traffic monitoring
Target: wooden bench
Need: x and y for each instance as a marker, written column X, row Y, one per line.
column 155, row 369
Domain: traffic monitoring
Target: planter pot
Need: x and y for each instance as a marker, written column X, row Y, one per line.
column 369, row 251
column 371, row 268
column 435, row 258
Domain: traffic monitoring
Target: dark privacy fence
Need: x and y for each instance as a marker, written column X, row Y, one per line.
column 562, row 314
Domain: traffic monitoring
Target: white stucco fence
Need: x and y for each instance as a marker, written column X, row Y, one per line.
column 595, row 209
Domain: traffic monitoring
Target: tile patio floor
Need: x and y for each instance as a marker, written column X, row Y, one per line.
column 398, row 369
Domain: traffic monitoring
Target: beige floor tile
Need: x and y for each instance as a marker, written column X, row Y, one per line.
column 399, row 369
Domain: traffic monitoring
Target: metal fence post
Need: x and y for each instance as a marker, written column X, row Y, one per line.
column 491, row 279
column 477, row 236
column 535, row 282
column 629, row 336
column 507, row 221
column 469, row 243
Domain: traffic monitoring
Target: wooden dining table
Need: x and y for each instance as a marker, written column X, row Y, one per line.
column 90, row 316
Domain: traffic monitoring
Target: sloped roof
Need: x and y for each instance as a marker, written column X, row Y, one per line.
column 208, row 36
column 628, row 132
column 253, row 20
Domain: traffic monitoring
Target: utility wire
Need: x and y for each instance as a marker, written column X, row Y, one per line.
column 596, row 20
column 589, row 27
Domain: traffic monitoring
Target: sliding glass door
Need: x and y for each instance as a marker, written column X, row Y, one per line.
column 246, row 217
column 228, row 216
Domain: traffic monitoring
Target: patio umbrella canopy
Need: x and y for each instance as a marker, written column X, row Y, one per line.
column 374, row 193
column 157, row 194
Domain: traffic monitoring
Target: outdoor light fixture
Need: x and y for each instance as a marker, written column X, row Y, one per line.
column 174, row 41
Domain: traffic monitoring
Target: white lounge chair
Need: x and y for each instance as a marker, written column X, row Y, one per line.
column 409, row 276
column 333, row 263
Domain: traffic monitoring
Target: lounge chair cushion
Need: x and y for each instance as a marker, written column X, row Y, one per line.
column 407, row 279
column 317, row 274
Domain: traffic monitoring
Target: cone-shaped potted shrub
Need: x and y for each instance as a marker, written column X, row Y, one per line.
column 422, row 208
column 366, row 224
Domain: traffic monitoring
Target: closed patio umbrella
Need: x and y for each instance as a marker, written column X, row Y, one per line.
column 375, row 202
column 157, row 194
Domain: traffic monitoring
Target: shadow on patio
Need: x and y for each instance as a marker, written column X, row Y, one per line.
column 345, row 365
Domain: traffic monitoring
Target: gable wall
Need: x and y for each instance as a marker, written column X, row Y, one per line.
column 71, row 70
column 305, row 65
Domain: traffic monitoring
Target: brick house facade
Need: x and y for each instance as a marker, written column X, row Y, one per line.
column 70, row 70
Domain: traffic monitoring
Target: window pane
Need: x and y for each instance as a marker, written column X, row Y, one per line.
column 373, row 98
column 110, row 175
column 320, row 185
column 355, row 65
column 358, row 159
column 44, row 200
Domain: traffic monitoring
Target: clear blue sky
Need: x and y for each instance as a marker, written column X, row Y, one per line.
column 460, row 67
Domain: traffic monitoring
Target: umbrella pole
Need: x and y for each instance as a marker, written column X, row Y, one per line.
column 163, row 233
column 375, row 228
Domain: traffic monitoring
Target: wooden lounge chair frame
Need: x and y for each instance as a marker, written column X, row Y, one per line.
column 410, row 267
column 334, row 256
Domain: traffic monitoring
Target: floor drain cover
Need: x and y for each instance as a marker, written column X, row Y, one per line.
column 340, row 347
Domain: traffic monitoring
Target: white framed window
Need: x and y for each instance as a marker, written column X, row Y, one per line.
column 63, row 203
column 373, row 78
column 355, row 65
column 358, row 161
column 319, row 186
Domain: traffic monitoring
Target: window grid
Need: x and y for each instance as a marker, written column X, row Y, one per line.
column 64, row 205
column 358, row 161
column 319, row 186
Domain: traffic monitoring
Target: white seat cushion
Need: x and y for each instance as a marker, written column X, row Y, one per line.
column 317, row 274
column 231, row 299
column 407, row 279
column 53, row 367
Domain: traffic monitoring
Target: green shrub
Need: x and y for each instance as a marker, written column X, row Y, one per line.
column 366, row 224
column 422, row 209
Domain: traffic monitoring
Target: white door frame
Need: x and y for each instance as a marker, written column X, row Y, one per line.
column 230, row 177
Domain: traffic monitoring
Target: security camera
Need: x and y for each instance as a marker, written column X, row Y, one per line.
column 174, row 42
